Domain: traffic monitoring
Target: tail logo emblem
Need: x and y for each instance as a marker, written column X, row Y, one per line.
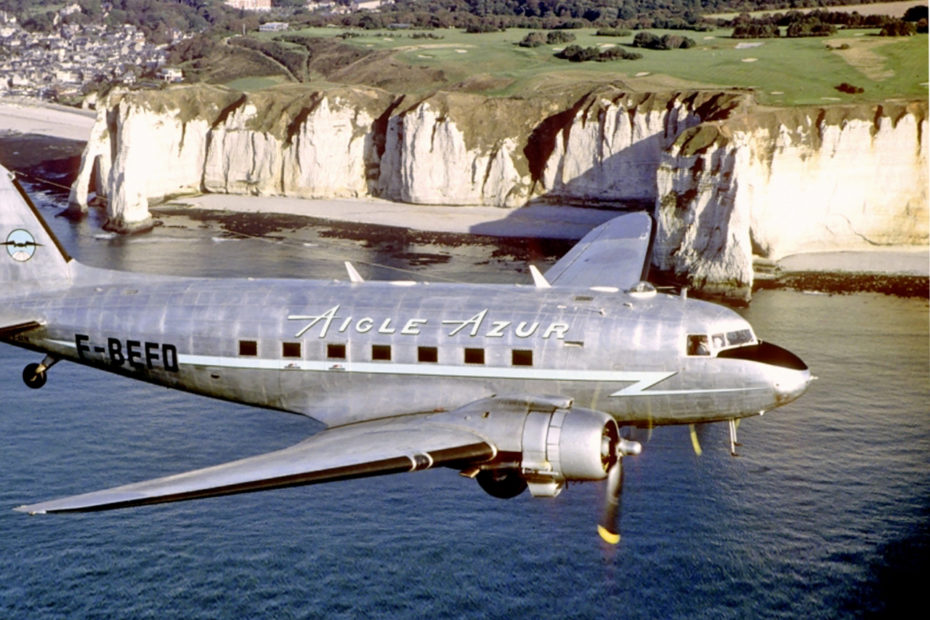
column 20, row 245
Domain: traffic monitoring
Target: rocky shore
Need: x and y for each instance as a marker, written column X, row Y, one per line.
column 44, row 145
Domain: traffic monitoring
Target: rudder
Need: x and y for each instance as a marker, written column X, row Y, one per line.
column 30, row 255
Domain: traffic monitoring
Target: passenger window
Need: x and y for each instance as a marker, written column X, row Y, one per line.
column 381, row 352
column 698, row 344
column 290, row 349
column 336, row 351
column 248, row 347
column 522, row 357
column 474, row 356
column 427, row 354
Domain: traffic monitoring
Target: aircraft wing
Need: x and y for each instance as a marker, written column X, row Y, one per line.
column 372, row 448
column 613, row 254
column 12, row 325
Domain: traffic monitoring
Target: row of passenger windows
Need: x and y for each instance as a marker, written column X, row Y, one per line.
column 383, row 353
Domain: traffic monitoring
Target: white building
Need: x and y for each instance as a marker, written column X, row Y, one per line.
column 250, row 5
column 171, row 74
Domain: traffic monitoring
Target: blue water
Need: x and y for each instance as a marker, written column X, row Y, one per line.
column 825, row 514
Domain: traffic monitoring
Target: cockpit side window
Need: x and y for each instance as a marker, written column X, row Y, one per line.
column 698, row 344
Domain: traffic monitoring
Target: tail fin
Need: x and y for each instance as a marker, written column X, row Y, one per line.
column 31, row 258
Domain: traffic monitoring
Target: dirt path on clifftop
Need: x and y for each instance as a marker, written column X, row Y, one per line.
column 862, row 56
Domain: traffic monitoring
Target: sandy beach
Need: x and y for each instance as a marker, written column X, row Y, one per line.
column 29, row 117
column 913, row 261
column 548, row 221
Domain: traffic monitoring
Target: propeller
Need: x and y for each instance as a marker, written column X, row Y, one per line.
column 695, row 444
column 609, row 526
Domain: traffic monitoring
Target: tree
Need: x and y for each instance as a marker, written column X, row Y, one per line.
column 576, row 53
column 666, row 42
column 647, row 40
column 915, row 13
column 533, row 39
column 899, row 29
column 558, row 37
column 191, row 48
column 848, row 88
column 40, row 22
column 755, row 31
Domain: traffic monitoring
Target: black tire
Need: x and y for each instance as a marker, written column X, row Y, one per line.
column 501, row 483
column 33, row 379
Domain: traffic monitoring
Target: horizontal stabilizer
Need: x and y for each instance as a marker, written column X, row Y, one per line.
column 613, row 254
column 360, row 450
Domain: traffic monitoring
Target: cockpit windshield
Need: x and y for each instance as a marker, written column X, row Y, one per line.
column 740, row 337
column 711, row 344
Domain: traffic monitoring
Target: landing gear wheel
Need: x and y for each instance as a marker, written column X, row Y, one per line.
column 34, row 379
column 501, row 483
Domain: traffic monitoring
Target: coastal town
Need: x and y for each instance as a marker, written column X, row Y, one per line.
column 62, row 65
column 68, row 63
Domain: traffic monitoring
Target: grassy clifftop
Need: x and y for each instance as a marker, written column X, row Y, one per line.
column 807, row 123
column 779, row 72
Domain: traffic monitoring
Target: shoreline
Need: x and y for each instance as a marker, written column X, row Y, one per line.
column 548, row 221
column 534, row 220
column 902, row 271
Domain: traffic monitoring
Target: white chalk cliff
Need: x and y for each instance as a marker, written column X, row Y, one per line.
column 777, row 183
column 725, row 179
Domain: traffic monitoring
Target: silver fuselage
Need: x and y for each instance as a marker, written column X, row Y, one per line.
column 343, row 352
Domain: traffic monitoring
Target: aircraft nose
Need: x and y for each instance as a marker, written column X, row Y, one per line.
column 791, row 376
column 786, row 373
column 790, row 384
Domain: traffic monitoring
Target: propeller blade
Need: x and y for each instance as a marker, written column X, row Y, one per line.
column 608, row 527
column 694, row 440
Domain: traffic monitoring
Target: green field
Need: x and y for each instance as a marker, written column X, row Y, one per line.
column 781, row 71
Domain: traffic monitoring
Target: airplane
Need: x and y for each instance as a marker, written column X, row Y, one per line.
column 522, row 386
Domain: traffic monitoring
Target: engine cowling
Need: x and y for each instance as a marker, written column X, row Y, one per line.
column 567, row 444
column 540, row 442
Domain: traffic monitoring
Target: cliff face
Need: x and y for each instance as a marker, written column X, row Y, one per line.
column 152, row 145
column 781, row 182
column 446, row 149
column 725, row 179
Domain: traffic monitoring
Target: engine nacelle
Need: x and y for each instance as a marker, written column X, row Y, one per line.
column 541, row 442
column 567, row 444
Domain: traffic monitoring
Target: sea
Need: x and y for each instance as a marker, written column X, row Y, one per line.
column 825, row 513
